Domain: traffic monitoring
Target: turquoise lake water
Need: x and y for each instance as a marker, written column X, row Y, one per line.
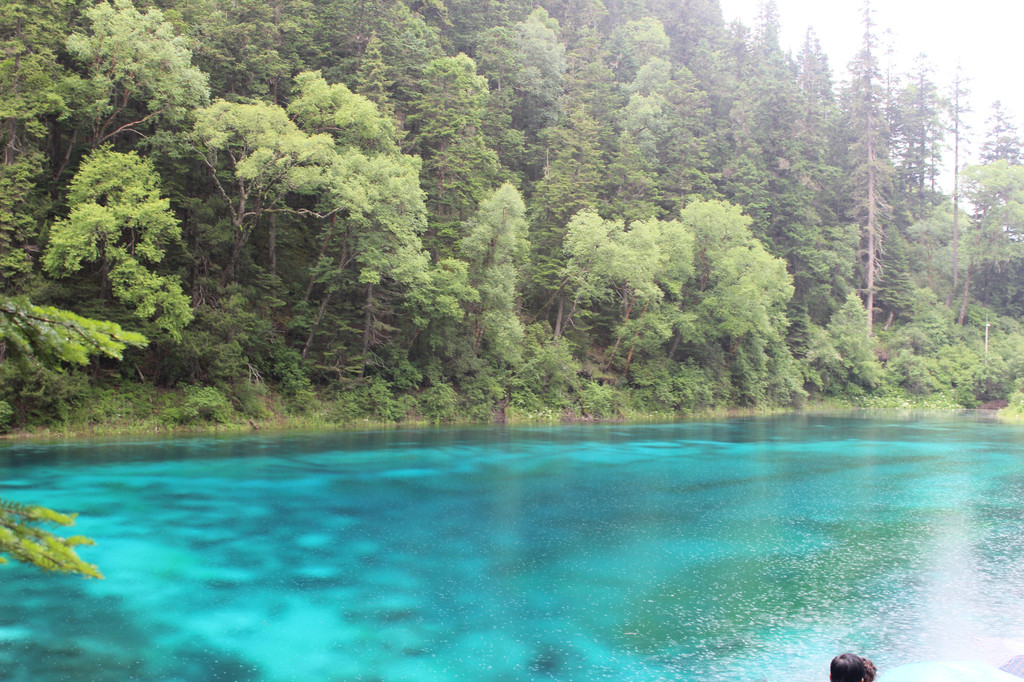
column 747, row 549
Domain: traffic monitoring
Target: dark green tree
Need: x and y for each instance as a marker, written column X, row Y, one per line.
column 459, row 167
column 869, row 165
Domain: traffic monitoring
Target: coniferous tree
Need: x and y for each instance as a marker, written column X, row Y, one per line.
column 959, row 106
column 1002, row 143
column 571, row 182
column 459, row 167
column 870, row 167
column 917, row 135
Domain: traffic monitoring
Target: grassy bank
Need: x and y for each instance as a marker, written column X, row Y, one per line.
column 135, row 409
column 140, row 410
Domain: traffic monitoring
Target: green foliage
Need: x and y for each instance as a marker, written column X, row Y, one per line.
column 842, row 354
column 51, row 335
column 439, row 403
column 6, row 416
column 599, row 401
column 546, row 376
column 199, row 404
column 673, row 387
column 1015, row 407
column 371, row 399
column 458, row 166
column 123, row 404
column 496, row 249
column 368, row 224
column 24, row 537
column 119, row 221
column 43, row 395
column 139, row 72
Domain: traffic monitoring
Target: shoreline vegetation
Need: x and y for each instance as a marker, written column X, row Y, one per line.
column 319, row 419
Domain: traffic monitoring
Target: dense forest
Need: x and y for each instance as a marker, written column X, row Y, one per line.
column 216, row 211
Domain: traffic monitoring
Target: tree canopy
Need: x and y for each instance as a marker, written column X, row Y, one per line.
column 405, row 210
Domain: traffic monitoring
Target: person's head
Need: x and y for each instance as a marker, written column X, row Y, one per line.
column 846, row 668
column 869, row 669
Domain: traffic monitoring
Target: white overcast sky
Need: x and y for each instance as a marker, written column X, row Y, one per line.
column 985, row 36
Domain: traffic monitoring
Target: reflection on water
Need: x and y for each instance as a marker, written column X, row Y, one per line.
column 747, row 549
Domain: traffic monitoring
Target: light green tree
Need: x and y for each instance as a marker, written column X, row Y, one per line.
column 373, row 216
column 138, row 71
column 257, row 155
column 636, row 268
column 496, row 248
column 119, row 221
column 738, row 297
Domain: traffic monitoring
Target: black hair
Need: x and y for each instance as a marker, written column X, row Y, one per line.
column 846, row 668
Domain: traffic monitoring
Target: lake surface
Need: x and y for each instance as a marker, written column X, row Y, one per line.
column 748, row 549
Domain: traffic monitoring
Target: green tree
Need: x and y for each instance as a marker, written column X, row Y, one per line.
column 540, row 68
column 994, row 241
column 30, row 97
column 119, row 221
column 959, row 106
column 496, row 248
column 372, row 80
column 571, row 182
column 139, row 72
column 918, row 135
column 257, row 156
column 870, row 167
column 250, row 48
column 843, row 354
column 634, row 268
column 373, row 216
column 1002, row 143
column 739, row 296
column 458, row 166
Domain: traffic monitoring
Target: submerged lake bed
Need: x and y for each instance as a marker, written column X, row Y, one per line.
column 747, row 549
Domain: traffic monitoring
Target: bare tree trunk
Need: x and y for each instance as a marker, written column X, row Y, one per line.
column 956, row 189
column 558, row 317
column 675, row 345
column 316, row 323
column 872, row 217
column 236, row 252
column 476, row 335
column 272, row 243
column 967, row 291
column 629, row 358
column 367, row 327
